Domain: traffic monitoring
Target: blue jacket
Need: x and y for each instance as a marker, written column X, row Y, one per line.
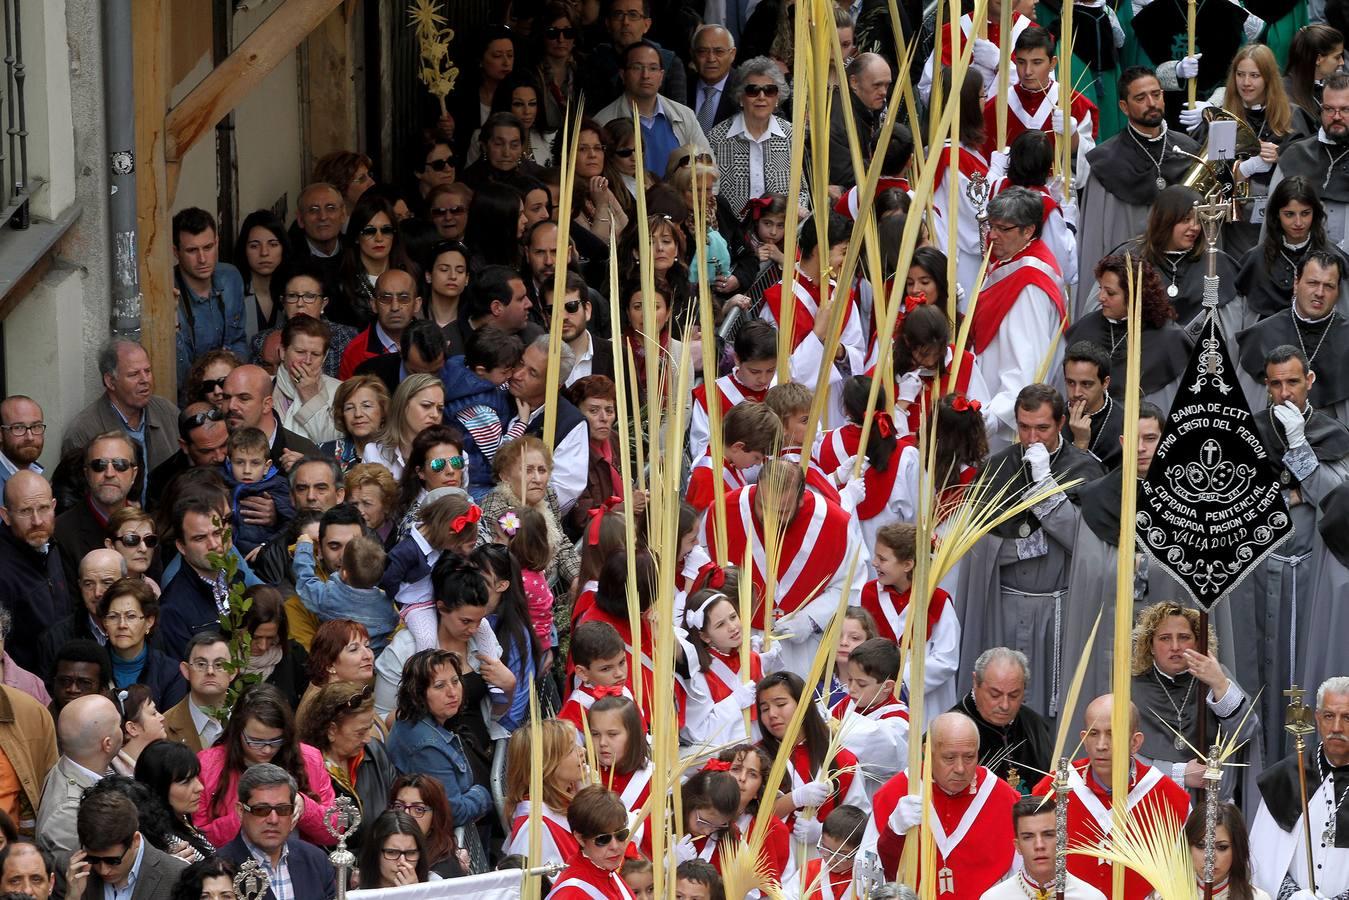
column 406, row 565
column 423, row 746
column 161, row 675
column 274, row 484
column 335, row 599
column 210, row 323
column 186, row 607
column 311, row 874
column 468, row 398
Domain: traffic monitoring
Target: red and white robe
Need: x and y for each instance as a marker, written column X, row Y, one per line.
column 712, row 715
column 807, row 357
column 1058, row 233
column 890, row 494
column 633, row 787
column 969, row 381
column 837, row 446
column 777, row 847
column 847, row 204
column 1029, row 110
column 816, row 478
column 583, row 880
column 557, row 845
column 812, row 567
column 849, row 781
column 694, row 569
column 878, row 736
column 584, row 600
column 701, row 492
column 1015, row 329
column 972, row 832
column 647, row 667
column 1151, row 794
column 581, row 698
column 731, row 392
column 827, row 885
column 889, row 608
column 969, row 249
column 992, row 32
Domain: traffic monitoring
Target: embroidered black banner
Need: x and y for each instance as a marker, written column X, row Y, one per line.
column 1210, row 509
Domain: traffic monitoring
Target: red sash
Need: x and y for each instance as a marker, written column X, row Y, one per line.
column 837, row 446
column 807, row 294
column 829, row 886
column 992, row 31
column 702, row 489
column 892, row 710
column 889, row 606
column 881, row 485
column 723, row 676
column 928, row 399
column 1033, row 266
column 970, row 162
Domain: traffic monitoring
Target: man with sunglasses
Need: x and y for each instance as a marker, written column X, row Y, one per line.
column 202, row 435
column 89, row 730
column 594, row 355
column 396, row 302
column 109, row 472
column 115, row 860
column 297, row 870
column 22, row 436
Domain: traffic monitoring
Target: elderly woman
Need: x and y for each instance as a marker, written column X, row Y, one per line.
column 374, row 493
column 340, row 722
column 1168, row 672
column 417, row 404
column 753, row 148
column 128, row 612
column 522, row 469
column 360, row 407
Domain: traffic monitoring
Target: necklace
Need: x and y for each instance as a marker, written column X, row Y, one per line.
column 1173, row 258
column 1104, row 410
column 1033, row 890
column 1179, row 742
column 1157, row 161
column 1311, row 357
column 1115, row 342
column 1334, row 161
column 1328, row 836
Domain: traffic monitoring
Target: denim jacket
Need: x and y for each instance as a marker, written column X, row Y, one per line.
column 423, row 746
column 210, row 323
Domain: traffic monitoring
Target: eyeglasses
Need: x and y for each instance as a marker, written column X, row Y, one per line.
column 1005, row 228
column 555, row 33
column 130, row 618
column 329, row 208
column 632, row 15
column 440, row 165
column 265, row 810
column 19, row 429
column 371, row 230
column 196, row 420
column 413, row 809
column 260, row 744
column 571, row 306
column 109, row 861
column 393, row 853
column 438, row 465
column 639, row 69
column 308, row 297
column 710, row 826
column 440, row 212
column 603, row 840
column 387, row 298
column 761, row 90
column 101, row 464
column 625, row 152
column 203, row 666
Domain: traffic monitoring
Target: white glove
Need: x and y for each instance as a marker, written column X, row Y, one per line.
column 1191, row 118
column 807, row 831
column 1187, row 67
column 744, row 694
column 1294, row 426
column 1069, row 211
column 851, row 495
column 843, row 474
column 684, row 850
column 1305, row 894
column 910, row 385
column 756, row 642
column 908, row 814
column 1254, row 166
column 997, row 165
column 793, row 630
column 1037, row 457
column 1057, row 118
column 986, row 55
column 811, row 794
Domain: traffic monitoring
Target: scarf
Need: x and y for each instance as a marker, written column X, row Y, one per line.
column 263, row 664
column 605, row 450
column 507, row 492
column 126, row 672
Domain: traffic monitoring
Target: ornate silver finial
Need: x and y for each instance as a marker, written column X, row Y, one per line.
column 251, row 882
column 343, row 819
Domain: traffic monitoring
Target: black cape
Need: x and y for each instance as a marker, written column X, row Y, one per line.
column 1187, row 273
column 1165, row 351
column 1268, row 289
column 1100, row 502
column 1093, row 38
column 1127, row 171
column 1311, row 159
column 1006, row 468
column 1328, row 436
column 1106, row 427
column 1026, row 745
column 1331, row 363
column 1161, row 29
column 1283, row 795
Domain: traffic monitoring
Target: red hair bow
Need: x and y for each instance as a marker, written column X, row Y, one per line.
column 717, row 765
column 962, row 404
column 596, row 514
column 607, row 690
column 756, row 207
column 469, row 518
column 710, row 576
column 884, row 425
column 912, row 302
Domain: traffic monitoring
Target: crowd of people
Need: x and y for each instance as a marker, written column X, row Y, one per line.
column 348, row 554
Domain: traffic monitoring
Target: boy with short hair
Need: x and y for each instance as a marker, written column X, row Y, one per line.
column 886, row 597
column 353, row 593
column 698, row 879
column 1036, row 837
column 750, row 432
column 791, row 402
column 249, row 472
column 756, row 356
column 477, row 401
column 875, row 725
column 600, row 660
column 829, row 876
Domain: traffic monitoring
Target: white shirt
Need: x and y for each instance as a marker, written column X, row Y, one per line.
column 1011, row 889
column 716, row 91
column 126, row 891
column 583, row 361
column 1015, row 356
column 756, row 148
column 208, row 729
column 571, row 463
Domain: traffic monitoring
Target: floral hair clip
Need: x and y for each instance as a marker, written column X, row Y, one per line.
column 510, row 524
column 469, row 518
column 962, row 404
column 716, row 765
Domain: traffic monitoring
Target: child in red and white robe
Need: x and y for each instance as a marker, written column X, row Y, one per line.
column 621, row 751
column 750, row 432
column 710, row 800
column 600, row 824
column 749, row 764
column 873, row 723
column 756, row 354
column 718, row 695
column 600, row 668
column 830, row 875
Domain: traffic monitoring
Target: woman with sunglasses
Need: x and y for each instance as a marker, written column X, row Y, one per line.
column 423, row 798
column 273, row 657
column 599, row 822
column 206, row 378
column 131, row 532
column 758, row 86
column 340, row 722
column 372, row 247
column 128, row 611
column 437, row 460
column 620, row 166
column 564, row 774
column 555, row 32
column 171, row 771
column 142, row 725
column 395, row 854
column 261, row 729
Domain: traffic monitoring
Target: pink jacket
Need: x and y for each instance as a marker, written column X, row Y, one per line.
column 220, row 831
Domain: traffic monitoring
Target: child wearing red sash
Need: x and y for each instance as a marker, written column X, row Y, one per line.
column 750, row 432
column 718, row 690
column 710, row 801
column 829, row 876
column 600, row 663
column 621, row 751
column 756, row 355
column 749, row 766
column 598, row 825
column 873, row 722
column 791, row 403
column 563, row 773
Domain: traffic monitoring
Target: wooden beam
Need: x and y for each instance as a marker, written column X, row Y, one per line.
column 233, row 80
column 330, row 110
column 159, row 312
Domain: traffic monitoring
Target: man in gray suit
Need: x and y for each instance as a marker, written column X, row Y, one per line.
column 90, row 732
column 115, row 855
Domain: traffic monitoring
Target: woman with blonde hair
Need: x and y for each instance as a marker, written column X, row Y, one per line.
column 419, row 402
column 360, row 408
column 564, row 773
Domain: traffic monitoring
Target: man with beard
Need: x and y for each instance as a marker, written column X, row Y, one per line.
column 109, row 471
column 1095, row 419
column 1278, row 835
column 32, row 577
column 1314, row 326
column 1127, row 173
column 1323, row 158
column 202, row 435
column 22, row 436
column 594, row 354
column 1013, row 587
column 1014, row 740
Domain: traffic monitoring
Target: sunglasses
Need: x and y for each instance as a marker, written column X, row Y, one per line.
column 566, row 33
column 101, row 464
column 440, row 165
column 151, row 541
column 571, row 306
column 438, row 465
column 439, row 212
column 108, row 861
column 761, row 90
column 357, row 700
column 265, row 810
column 625, row 152
column 196, row 420
column 603, row 840
column 371, row 230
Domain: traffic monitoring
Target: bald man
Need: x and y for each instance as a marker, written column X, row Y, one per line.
column 1152, row 795
column 25, row 869
column 248, row 404
column 90, row 732
column 98, row 570
column 33, row 580
column 394, row 303
column 972, row 806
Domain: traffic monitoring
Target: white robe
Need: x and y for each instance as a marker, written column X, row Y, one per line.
column 1074, row 889
column 1014, row 357
column 1275, row 852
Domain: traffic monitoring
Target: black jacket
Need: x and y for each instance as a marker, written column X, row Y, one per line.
column 34, row 588
column 311, row 874
column 78, row 531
